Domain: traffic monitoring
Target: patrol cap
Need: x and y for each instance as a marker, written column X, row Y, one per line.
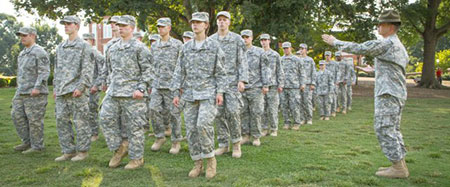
column 188, row 34
column 114, row 19
column 286, row 45
column 138, row 35
column 389, row 16
column 70, row 19
column 164, row 22
column 88, row 36
column 127, row 20
column 264, row 37
column 303, row 45
column 155, row 37
column 337, row 53
column 223, row 13
column 26, row 31
column 322, row 62
column 327, row 53
column 247, row 32
column 200, row 16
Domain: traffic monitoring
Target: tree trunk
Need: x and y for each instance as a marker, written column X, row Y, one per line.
column 428, row 79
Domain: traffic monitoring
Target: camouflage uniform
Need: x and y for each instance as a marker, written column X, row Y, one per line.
column 98, row 61
column 351, row 79
column 165, row 55
column 390, row 89
column 272, row 98
column 291, row 97
column 28, row 111
column 73, row 71
column 201, row 71
column 258, row 77
column 324, row 86
column 333, row 67
column 342, row 88
column 310, row 75
column 130, row 64
column 228, row 121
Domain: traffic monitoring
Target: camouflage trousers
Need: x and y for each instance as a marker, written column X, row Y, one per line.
column 349, row 96
column 134, row 111
column 324, row 103
column 342, row 96
column 290, row 106
column 252, row 112
column 228, row 120
column 388, row 112
column 160, row 106
column 93, row 112
column 306, row 103
column 199, row 117
column 333, row 95
column 28, row 116
column 67, row 107
column 271, row 105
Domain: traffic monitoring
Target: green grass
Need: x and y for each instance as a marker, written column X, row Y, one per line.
column 340, row 152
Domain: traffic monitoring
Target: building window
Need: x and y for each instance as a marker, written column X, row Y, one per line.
column 107, row 31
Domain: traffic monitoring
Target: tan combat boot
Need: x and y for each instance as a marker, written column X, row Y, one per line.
column 168, row 132
column 264, row 132
column 338, row 109
column 80, row 156
column 94, row 138
column 333, row 114
column 302, row 122
column 65, row 157
column 237, row 150
column 397, row 170
column 175, row 149
column 327, row 118
column 22, row 147
column 221, row 151
column 321, row 118
column 296, row 127
column 134, row 164
column 256, row 142
column 158, row 143
column 245, row 139
column 211, row 166
column 344, row 112
column 309, row 122
column 198, row 168
column 274, row 133
column 119, row 154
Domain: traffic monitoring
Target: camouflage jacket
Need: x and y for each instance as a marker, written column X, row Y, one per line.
column 33, row 70
column 130, row 68
column 344, row 71
column 324, row 82
column 235, row 64
column 352, row 75
column 73, row 68
column 310, row 70
column 200, row 70
column 165, row 56
column 99, row 62
column 107, row 67
column 293, row 71
column 390, row 63
column 258, row 68
column 275, row 68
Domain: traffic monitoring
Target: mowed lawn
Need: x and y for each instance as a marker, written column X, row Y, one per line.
column 340, row 152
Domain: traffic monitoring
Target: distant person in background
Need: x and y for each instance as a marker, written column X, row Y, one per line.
column 439, row 75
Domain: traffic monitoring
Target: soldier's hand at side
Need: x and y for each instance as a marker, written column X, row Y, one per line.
column 241, row 86
column 35, row 92
column 329, row 39
column 219, row 99
column 280, row 89
column 138, row 94
column 181, row 91
column 176, row 101
column 94, row 89
column 265, row 90
column 76, row 93
column 312, row 87
column 302, row 88
column 104, row 88
column 149, row 91
column 54, row 95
